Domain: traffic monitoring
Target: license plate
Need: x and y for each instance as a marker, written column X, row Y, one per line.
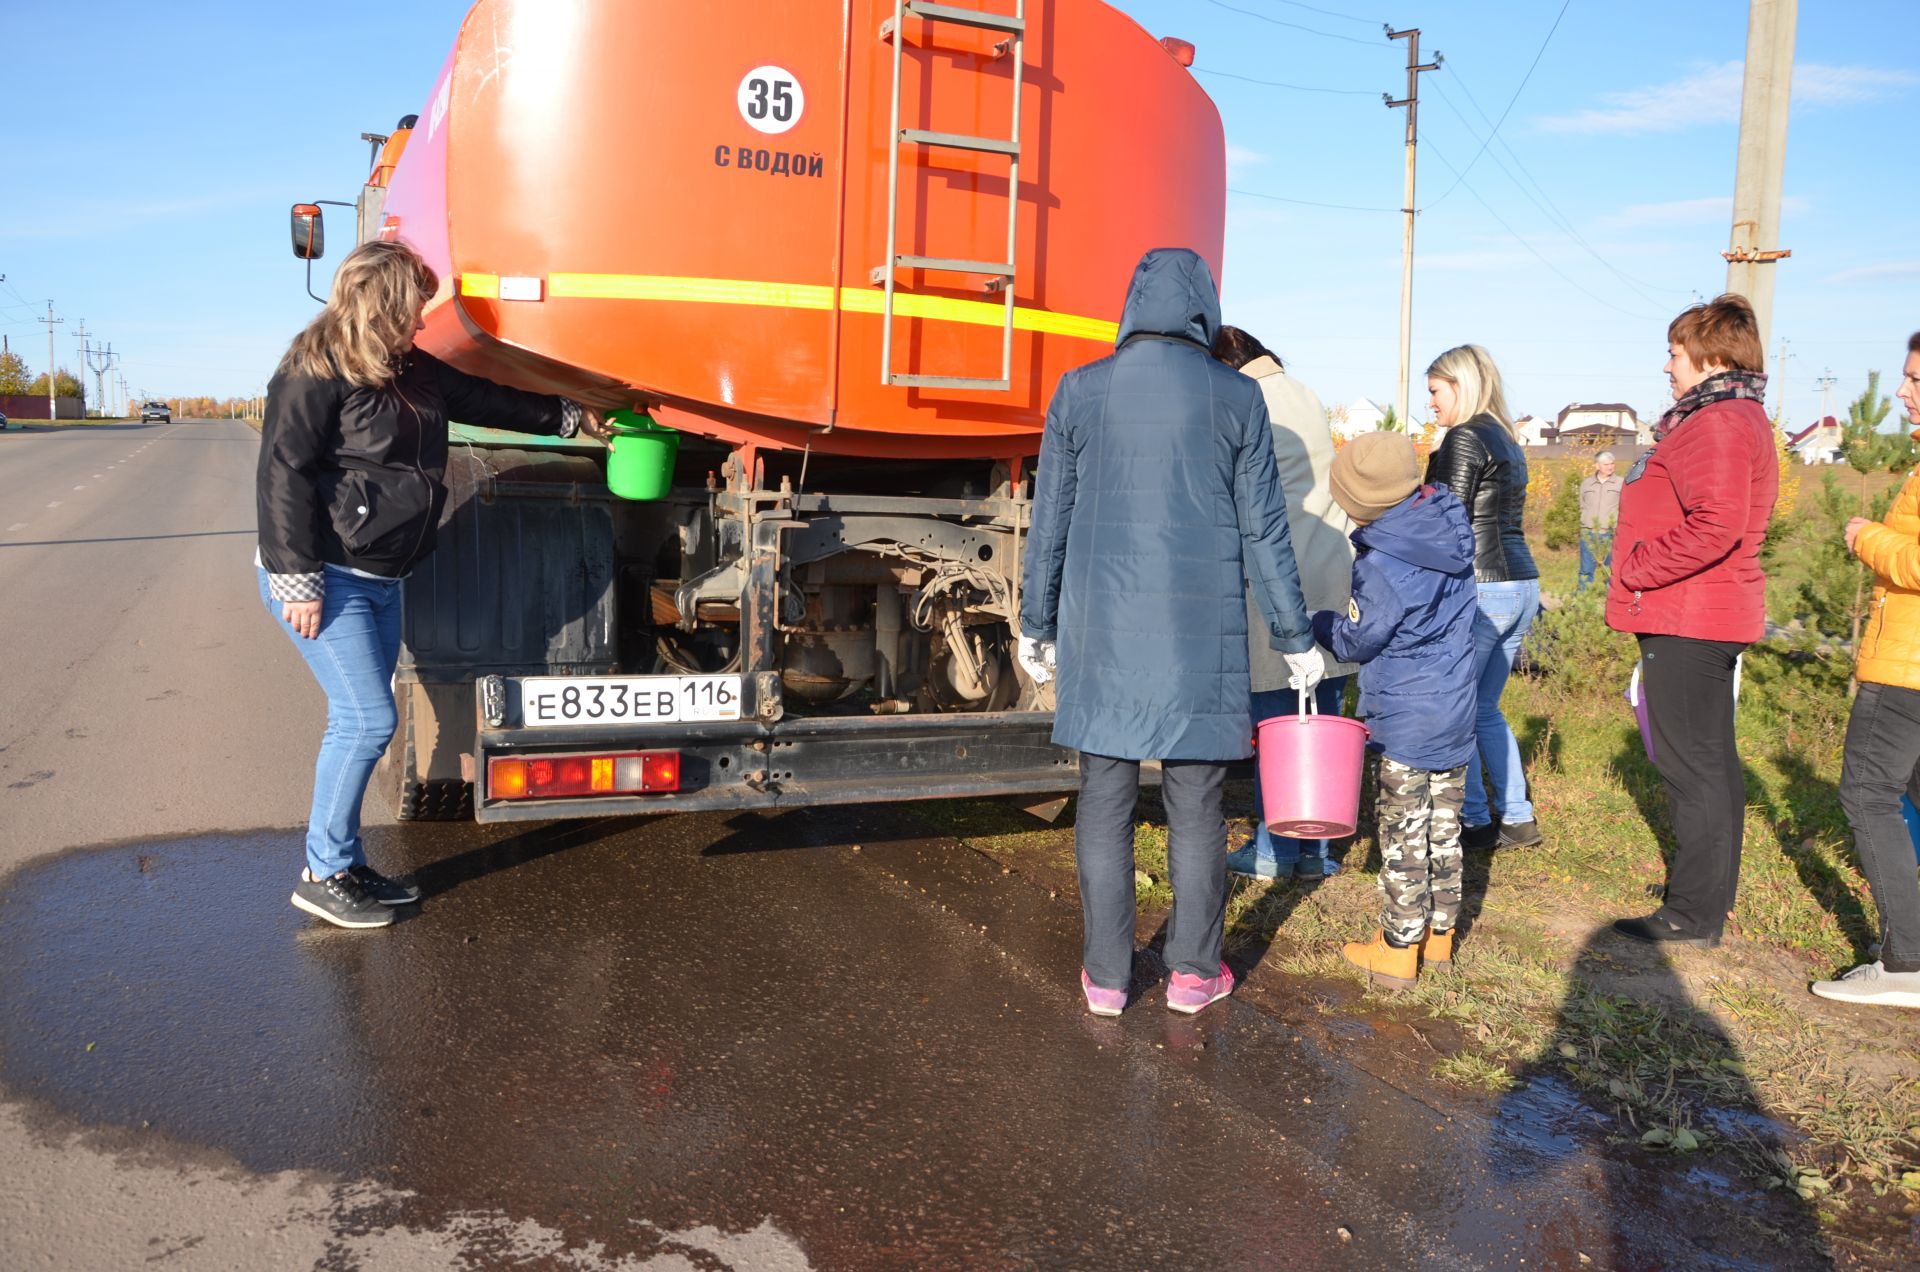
column 563, row 701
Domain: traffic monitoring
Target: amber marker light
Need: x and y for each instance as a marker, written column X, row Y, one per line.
column 507, row 779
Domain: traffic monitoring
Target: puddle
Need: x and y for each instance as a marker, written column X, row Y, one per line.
column 1543, row 1120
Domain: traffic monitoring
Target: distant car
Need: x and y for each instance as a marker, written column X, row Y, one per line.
column 153, row 412
column 3, row 419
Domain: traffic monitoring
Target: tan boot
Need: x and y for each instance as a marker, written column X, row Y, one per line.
column 1385, row 964
column 1436, row 950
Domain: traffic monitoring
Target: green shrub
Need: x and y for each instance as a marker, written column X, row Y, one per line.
column 1562, row 522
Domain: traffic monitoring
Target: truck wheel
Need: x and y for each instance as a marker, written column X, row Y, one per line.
column 416, row 797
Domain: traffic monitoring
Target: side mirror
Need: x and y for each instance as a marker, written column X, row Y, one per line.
column 309, row 232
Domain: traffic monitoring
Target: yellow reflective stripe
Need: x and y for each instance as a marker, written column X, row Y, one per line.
column 859, row 300
column 982, row 313
column 711, row 291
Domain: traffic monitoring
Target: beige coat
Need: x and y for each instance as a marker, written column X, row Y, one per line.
column 1600, row 502
column 1303, row 446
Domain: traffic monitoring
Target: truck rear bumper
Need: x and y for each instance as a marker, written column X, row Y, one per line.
column 798, row 762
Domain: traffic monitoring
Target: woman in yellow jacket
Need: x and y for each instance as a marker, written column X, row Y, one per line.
column 1883, row 735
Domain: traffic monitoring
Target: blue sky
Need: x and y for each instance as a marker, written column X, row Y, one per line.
column 154, row 149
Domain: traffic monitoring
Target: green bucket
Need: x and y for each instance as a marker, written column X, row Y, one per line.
column 640, row 456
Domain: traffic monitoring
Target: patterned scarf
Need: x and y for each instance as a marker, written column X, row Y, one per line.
column 1722, row 386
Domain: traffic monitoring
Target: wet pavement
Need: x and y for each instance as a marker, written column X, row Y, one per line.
column 804, row 1054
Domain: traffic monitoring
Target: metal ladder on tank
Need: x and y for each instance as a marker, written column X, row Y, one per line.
column 999, row 274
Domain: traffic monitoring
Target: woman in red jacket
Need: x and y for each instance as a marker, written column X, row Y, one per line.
column 1687, row 582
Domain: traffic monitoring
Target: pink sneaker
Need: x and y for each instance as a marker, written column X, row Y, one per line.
column 1189, row 993
column 1102, row 1002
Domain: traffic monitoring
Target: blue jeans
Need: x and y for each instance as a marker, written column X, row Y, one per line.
column 1596, row 549
column 1329, row 696
column 1507, row 611
column 1196, row 865
column 353, row 658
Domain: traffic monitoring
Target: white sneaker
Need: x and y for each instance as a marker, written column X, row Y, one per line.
column 1872, row 983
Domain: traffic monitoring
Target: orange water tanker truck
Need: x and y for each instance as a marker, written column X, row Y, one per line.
column 832, row 259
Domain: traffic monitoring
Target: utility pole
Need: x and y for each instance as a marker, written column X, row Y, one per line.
column 1412, row 102
column 51, row 322
column 1826, row 383
column 1754, row 249
column 80, row 339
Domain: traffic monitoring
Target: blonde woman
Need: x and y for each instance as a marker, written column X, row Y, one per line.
column 1481, row 462
column 352, row 455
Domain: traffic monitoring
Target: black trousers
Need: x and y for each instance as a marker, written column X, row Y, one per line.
column 1689, row 688
column 1882, row 762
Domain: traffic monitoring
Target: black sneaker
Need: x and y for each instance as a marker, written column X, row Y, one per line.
column 341, row 901
column 1479, row 838
column 382, row 889
column 1657, row 929
column 1519, row 834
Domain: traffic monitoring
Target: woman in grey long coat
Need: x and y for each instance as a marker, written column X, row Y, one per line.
column 1156, row 495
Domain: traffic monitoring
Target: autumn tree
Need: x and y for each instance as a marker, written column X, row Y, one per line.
column 65, row 384
column 14, row 380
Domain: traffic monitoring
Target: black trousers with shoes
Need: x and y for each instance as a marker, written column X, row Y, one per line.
column 1689, row 689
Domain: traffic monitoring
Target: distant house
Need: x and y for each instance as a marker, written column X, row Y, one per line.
column 1817, row 443
column 1598, row 425
column 1357, row 417
column 1533, row 431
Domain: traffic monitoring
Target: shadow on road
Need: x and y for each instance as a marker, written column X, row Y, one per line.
column 128, row 538
column 1628, row 1037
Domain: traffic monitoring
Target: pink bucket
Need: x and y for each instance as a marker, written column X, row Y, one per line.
column 1310, row 768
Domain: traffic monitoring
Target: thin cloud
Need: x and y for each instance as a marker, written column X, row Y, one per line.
column 1684, row 212
column 1239, row 158
column 1883, row 272
column 1711, row 95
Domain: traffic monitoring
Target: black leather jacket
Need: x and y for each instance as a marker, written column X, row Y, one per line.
column 1485, row 468
column 353, row 476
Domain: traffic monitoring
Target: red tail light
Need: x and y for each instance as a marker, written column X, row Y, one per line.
column 557, row 776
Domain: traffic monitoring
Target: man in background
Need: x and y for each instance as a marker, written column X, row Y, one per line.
column 1599, row 510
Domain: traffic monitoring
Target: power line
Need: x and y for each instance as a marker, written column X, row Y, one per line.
column 1219, row 4
column 1565, row 5
column 1558, row 219
column 1298, row 88
column 1545, row 202
column 1308, row 203
column 1347, row 17
column 1515, row 235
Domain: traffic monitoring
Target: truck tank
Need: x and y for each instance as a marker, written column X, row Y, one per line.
column 640, row 201
column 848, row 249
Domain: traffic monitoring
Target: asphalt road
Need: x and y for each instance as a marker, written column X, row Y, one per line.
column 822, row 1040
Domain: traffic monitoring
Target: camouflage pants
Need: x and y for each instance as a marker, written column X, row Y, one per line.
column 1421, row 862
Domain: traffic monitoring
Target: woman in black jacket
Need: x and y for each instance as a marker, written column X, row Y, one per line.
column 1481, row 462
column 353, row 451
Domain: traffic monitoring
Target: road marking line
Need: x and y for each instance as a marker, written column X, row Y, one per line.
column 81, row 486
column 18, row 525
column 54, row 504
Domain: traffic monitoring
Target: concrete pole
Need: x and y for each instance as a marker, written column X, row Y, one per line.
column 1755, row 246
column 1412, row 103
column 51, row 322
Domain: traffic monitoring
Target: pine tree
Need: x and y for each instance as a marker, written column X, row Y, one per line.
column 1562, row 521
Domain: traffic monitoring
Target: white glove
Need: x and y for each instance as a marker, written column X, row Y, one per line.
column 1308, row 669
column 1037, row 656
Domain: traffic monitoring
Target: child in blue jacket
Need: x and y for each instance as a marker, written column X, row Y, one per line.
column 1410, row 626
